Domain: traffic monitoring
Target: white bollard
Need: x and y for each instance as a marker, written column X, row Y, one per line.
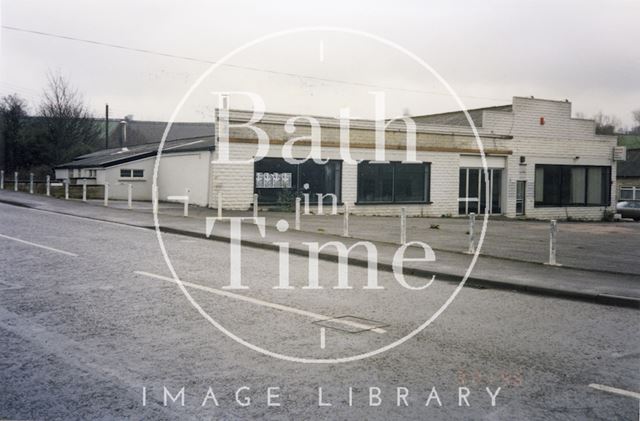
column 66, row 189
column 297, row 222
column 30, row 183
column 106, row 194
column 185, row 212
column 472, row 223
column 48, row 186
column 403, row 225
column 345, row 224
column 553, row 230
column 129, row 195
column 15, row 181
column 84, row 191
column 154, row 199
column 219, row 204
column 255, row 207
column 1, row 179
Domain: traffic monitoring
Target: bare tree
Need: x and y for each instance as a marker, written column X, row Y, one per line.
column 606, row 124
column 13, row 111
column 636, row 117
column 70, row 127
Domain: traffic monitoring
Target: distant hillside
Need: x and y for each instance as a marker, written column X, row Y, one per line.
column 631, row 141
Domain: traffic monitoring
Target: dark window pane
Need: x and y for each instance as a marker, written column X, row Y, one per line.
column 563, row 185
column 462, row 191
column 276, row 179
column 321, row 179
column 138, row 173
column 375, row 182
column 473, row 183
column 496, row 192
column 410, row 183
column 270, row 184
column 552, row 185
column 483, row 190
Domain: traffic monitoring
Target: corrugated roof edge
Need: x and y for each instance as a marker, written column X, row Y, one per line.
column 137, row 152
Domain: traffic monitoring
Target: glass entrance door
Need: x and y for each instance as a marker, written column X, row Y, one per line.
column 520, row 194
column 472, row 194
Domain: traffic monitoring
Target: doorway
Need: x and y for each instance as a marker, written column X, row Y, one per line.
column 520, row 195
column 473, row 196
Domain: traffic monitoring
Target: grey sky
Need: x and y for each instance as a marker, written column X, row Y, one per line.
column 489, row 51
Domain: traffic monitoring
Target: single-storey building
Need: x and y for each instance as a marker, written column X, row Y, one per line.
column 542, row 163
column 628, row 176
column 184, row 165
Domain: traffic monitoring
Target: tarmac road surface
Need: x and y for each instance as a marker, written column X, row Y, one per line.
column 92, row 326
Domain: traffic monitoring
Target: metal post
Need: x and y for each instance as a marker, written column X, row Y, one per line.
column 297, row 224
column 106, row 126
column 15, row 181
column 1, row 179
column 48, row 187
column 472, row 222
column 84, row 191
column 30, row 183
column 553, row 230
column 345, row 224
column 66, row 189
column 106, row 194
column 255, row 207
column 129, row 195
column 219, row 204
column 403, row 225
column 186, row 203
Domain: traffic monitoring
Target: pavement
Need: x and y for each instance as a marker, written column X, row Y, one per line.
column 590, row 276
column 93, row 326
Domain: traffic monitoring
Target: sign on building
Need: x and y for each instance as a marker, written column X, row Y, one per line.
column 619, row 153
column 266, row 180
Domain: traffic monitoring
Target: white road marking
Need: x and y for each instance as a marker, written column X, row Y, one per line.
column 38, row 245
column 615, row 390
column 322, row 338
column 256, row 301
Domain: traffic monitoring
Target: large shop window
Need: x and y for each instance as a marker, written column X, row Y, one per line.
column 572, row 185
column 278, row 181
column 393, row 182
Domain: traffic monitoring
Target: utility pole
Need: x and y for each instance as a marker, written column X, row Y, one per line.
column 106, row 126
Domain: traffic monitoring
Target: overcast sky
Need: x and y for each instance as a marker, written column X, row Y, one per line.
column 488, row 51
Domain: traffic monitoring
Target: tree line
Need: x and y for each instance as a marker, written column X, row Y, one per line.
column 60, row 129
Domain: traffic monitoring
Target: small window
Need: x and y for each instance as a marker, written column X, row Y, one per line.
column 128, row 173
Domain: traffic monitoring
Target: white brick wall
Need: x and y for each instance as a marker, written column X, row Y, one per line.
column 559, row 141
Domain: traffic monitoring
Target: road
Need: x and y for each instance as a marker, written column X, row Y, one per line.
column 93, row 326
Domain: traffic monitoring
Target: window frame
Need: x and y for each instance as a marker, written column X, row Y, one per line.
column 297, row 184
column 566, row 185
column 131, row 172
column 394, row 164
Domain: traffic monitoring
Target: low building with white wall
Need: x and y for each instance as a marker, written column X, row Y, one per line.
column 184, row 165
column 541, row 163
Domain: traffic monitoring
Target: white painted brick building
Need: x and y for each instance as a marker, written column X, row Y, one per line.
column 542, row 164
